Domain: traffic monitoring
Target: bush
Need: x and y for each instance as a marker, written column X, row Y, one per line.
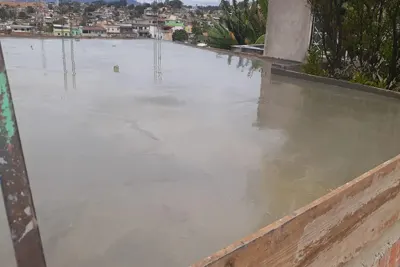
column 220, row 37
column 180, row 35
column 313, row 63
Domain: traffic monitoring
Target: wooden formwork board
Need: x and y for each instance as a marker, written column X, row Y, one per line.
column 328, row 232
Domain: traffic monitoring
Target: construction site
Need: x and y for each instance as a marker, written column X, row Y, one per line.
column 151, row 153
column 157, row 165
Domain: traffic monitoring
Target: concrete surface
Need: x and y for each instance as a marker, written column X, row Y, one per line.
column 126, row 171
column 289, row 29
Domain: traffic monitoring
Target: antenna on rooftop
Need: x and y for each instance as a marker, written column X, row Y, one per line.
column 44, row 61
column 73, row 64
column 64, row 65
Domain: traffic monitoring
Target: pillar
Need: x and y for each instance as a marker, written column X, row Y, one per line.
column 288, row 29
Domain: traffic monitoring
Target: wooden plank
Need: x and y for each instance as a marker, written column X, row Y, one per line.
column 14, row 183
column 328, row 232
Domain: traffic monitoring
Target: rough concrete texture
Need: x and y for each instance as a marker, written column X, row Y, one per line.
column 288, row 29
column 126, row 171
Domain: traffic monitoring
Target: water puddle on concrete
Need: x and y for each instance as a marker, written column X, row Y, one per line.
column 138, row 169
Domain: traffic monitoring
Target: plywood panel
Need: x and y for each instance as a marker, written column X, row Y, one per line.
column 328, row 232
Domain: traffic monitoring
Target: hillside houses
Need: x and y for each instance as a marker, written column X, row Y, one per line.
column 100, row 20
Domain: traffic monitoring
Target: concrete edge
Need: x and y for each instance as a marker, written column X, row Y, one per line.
column 285, row 68
column 330, row 81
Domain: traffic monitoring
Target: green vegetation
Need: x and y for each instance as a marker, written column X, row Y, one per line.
column 220, row 37
column 6, row 14
column 245, row 20
column 360, row 41
column 174, row 3
column 180, row 35
column 30, row 10
column 313, row 63
column 260, row 40
column 22, row 15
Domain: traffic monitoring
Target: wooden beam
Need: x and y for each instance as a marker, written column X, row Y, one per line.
column 14, row 183
column 328, row 232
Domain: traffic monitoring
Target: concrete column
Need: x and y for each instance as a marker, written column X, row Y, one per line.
column 288, row 29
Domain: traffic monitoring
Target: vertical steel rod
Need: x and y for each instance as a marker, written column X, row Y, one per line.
column 15, row 184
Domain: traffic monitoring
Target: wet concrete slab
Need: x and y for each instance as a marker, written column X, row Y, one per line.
column 129, row 169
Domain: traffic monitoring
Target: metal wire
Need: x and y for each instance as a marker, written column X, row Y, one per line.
column 64, row 65
column 44, row 60
column 73, row 64
column 157, row 49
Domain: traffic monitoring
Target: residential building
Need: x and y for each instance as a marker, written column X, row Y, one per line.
column 148, row 12
column 112, row 29
column 61, row 30
column 22, row 29
column 76, row 31
column 126, row 29
column 48, row 19
column 142, row 28
column 167, row 33
column 175, row 24
column 172, row 17
column 93, row 31
column 155, row 33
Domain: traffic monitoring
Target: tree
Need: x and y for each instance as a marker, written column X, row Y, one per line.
column 246, row 20
column 12, row 14
column 199, row 13
column 30, row 10
column 220, row 37
column 76, row 8
column 180, row 35
column 196, row 28
column 22, row 15
column 61, row 21
column 49, row 28
column 4, row 15
column 177, row 4
column 84, row 20
column 360, row 40
column 332, row 18
column 139, row 9
column 50, row 6
column 90, row 8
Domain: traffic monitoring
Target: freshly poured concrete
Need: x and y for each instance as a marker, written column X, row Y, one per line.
column 128, row 171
